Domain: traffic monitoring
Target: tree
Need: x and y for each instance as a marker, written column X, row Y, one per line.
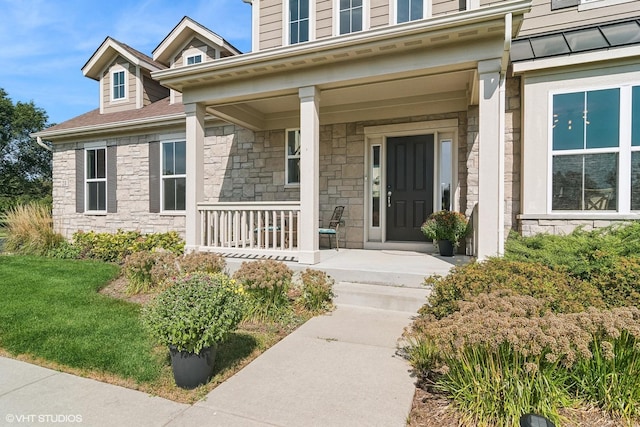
column 25, row 166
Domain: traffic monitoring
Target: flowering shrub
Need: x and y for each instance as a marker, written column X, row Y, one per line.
column 195, row 312
column 201, row 261
column 503, row 355
column 316, row 293
column 445, row 225
column 561, row 292
column 267, row 283
column 146, row 271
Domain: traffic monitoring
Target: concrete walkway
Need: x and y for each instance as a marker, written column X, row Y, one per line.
column 335, row 370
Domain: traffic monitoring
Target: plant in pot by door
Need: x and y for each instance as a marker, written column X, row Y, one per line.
column 447, row 228
column 191, row 317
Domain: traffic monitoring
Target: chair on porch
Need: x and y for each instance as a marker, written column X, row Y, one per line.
column 334, row 226
column 598, row 199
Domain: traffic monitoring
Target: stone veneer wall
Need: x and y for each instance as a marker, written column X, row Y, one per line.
column 469, row 151
column 132, row 192
column 529, row 227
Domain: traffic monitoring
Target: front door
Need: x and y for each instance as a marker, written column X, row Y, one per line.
column 409, row 186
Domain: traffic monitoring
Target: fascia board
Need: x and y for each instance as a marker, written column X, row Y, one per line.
column 290, row 53
column 96, row 64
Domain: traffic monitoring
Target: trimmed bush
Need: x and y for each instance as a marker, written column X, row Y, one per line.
column 267, row 284
column 29, row 230
column 115, row 247
column 146, row 271
column 561, row 292
column 620, row 283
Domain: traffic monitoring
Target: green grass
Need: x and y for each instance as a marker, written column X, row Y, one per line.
column 50, row 309
column 3, row 233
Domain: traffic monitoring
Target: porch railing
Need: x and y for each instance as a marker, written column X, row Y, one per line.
column 260, row 228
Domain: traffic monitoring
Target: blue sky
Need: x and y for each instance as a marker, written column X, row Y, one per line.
column 45, row 43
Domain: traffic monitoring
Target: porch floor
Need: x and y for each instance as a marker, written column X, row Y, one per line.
column 380, row 267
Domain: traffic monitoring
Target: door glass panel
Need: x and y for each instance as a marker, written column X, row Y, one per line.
column 375, row 186
column 445, row 174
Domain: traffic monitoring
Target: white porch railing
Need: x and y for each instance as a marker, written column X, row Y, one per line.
column 251, row 228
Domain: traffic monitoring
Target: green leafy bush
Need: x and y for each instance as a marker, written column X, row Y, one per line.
column 146, row 271
column 445, row 225
column 29, row 229
column 620, row 283
column 195, row 312
column 64, row 250
column 114, row 247
column 206, row 262
column 317, row 290
column 582, row 253
column 267, row 284
column 561, row 292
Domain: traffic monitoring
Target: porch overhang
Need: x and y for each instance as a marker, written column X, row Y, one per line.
column 420, row 67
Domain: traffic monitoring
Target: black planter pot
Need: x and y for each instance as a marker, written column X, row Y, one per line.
column 191, row 370
column 446, row 247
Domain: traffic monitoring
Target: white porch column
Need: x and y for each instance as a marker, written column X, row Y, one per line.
column 491, row 160
column 195, row 172
column 309, row 175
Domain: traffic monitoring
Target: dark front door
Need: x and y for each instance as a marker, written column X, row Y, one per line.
column 409, row 186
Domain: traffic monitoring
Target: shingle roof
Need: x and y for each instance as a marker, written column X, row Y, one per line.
column 161, row 108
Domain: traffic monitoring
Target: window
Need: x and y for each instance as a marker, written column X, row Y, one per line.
column 409, row 10
column 96, row 179
column 194, row 59
column 350, row 16
column 293, row 157
column 592, row 149
column 118, row 83
column 174, row 175
column 298, row 21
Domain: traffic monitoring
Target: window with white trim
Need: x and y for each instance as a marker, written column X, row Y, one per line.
column 593, row 149
column 409, row 10
column 292, row 157
column 118, row 85
column 96, row 179
column 174, row 175
column 194, row 59
column 350, row 16
column 298, row 21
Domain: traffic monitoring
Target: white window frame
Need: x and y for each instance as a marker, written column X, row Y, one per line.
column 163, row 177
column 393, row 17
column 286, row 33
column 87, row 180
column 288, row 156
column 336, row 18
column 193, row 53
column 116, row 70
column 596, row 4
column 623, row 150
column 194, row 57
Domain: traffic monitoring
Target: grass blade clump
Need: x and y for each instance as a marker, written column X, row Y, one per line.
column 30, row 230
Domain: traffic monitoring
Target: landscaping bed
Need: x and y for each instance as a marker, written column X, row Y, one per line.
column 553, row 328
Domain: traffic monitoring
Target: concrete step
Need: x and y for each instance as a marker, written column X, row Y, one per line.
column 384, row 297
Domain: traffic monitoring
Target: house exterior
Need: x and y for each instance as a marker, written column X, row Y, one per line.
column 522, row 114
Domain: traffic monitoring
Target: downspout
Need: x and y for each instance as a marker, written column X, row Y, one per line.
column 42, row 144
column 508, row 22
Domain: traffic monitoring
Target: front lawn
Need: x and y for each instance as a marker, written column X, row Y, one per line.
column 52, row 314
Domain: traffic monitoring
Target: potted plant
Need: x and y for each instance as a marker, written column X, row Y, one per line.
column 191, row 316
column 447, row 228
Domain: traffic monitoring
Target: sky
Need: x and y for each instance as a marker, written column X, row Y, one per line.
column 45, row 43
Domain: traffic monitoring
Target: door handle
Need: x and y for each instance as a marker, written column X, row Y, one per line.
column 389, row 198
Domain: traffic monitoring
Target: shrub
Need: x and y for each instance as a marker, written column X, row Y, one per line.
column 64, row 250
column 445, row 225
column 114, row 247
column 505, row 355
column 30, row 230
column 195, row 312
column 267, row 283
column 561, row 292
column 582, row 253
column 147, row 271
column 620, row 283
column 202, row 261
column 316, row 293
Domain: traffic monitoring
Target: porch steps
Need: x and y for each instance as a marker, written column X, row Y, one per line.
column 383, row 297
